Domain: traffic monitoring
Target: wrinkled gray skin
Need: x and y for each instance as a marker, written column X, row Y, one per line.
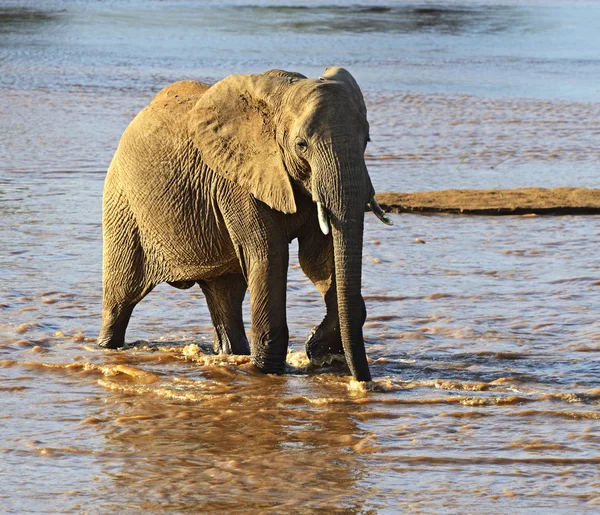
column 210, row 184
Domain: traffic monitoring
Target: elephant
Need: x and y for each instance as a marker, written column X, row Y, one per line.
column 210, row 183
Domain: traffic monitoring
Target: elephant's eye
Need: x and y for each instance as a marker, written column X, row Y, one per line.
column 301, row 145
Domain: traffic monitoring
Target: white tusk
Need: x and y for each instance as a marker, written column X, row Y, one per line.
column 379, row 213
column 323, row 222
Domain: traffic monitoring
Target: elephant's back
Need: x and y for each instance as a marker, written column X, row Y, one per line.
column 158, row 134
column 182, row 87
column 163, row 123
column 178, row 97
column 157, row 177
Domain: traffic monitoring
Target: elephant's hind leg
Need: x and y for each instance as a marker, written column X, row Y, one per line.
column 224, row 296
column 124, row 277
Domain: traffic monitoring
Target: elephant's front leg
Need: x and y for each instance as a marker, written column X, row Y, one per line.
column 224, row 296
column 324, row 342
column 261, row 244
column 267, row 281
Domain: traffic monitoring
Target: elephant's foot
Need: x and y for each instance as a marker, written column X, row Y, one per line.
column 230, row 342
column 269, row 366
column 115, row 318
column 269, row 349
column 324, row 347
column 110, row 343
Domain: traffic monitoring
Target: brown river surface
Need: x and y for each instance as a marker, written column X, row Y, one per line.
column 483, row 332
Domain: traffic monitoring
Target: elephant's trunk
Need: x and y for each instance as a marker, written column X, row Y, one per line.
column 345, row 201
column 347, row 245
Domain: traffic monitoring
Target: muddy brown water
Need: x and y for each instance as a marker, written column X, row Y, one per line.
column 483, row 341
column 483, row 333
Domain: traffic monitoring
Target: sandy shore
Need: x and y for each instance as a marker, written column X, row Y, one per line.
column 522, row 201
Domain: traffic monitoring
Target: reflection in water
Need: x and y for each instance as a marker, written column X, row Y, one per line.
column 250, row 446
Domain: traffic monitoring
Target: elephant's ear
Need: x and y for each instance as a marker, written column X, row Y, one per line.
column 233, row 126
column 343, row 75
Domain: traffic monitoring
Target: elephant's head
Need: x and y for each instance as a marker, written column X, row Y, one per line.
column 267, row 132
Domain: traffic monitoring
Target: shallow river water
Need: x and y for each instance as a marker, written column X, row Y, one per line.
column 483, row 333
